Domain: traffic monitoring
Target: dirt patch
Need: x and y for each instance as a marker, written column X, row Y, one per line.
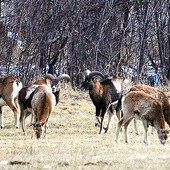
column 99, row 163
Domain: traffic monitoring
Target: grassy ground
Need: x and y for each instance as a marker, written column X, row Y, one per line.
column 74, row 143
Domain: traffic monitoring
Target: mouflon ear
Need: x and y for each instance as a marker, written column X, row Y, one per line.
column 48, row 82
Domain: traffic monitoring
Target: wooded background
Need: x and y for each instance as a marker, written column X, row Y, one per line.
column 120, row 37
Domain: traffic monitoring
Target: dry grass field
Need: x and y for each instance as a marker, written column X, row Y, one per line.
column 73, row 142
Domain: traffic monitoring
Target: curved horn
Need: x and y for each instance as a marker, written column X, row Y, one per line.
column 50, row 77
column 95, row 73
column 63, row 77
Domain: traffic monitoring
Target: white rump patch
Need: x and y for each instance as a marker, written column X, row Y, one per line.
column 16, row 89
column 126, row 81
column 30, row 90
column 118, row 86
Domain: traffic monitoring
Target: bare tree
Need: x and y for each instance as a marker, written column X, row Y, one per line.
column 125, row 37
